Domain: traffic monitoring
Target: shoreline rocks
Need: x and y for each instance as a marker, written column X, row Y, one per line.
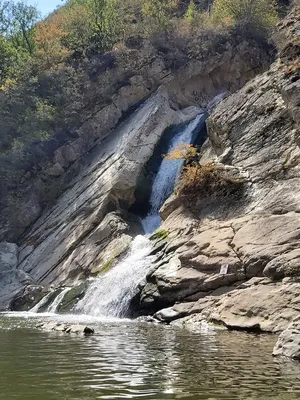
column 66, row 328
column 288, row 343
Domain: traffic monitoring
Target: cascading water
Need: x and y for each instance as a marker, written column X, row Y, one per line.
column 167, row 176
column 111, row 294
column 54, row 305
column 41, row 303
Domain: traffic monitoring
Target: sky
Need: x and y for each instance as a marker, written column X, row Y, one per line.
column 45, row 6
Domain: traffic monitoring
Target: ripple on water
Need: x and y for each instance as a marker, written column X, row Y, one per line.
column 127, row 360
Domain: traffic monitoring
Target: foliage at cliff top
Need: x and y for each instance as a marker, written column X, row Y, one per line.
column 49, row 68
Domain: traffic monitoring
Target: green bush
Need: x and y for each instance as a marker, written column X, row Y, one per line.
column 257, row 16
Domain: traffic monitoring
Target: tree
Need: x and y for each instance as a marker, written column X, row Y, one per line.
column 23, row 19
column 8, row 61
column 251, row 15
column 104, row 23
column 192, row 14
column 48, row 37
column 157, row 15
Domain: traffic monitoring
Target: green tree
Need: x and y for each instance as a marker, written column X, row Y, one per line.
column 22, row 20
column 105, row 23
column 191, row 15
column 8, row 60
column 157, row 15
column 252, row 15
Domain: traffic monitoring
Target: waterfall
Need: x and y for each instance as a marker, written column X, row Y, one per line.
column 54, row 305
column 111, row 294
column 41, row 303
column 167, row 176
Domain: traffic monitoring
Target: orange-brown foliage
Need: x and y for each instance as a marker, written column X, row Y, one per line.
column 207, row 179
column 182, row 151
column 49, row 36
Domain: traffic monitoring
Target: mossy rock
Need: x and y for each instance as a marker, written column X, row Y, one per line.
column 160, row 234
column 50, row 299
column 72, row 297
column 107, row 265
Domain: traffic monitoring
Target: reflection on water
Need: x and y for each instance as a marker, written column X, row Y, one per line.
column 127, row 360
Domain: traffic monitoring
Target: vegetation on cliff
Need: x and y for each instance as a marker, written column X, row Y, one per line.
column 57, row 73
column 49, row 66
column 203, row 179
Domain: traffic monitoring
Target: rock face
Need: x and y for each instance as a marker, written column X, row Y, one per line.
column 27, row 297
column 226, row 64
column 12, row 280
column 255, row 235
column 8, row 255
column 89, row 227
column 288, row 343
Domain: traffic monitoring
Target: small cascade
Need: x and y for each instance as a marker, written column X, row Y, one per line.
column 167, row 176
column 111, row 294
column 41, row 303
column 54, row 305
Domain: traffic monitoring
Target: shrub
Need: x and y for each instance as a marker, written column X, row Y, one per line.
column 250, row 15
column 182, row 151
column 157, row 15
column 208, row 179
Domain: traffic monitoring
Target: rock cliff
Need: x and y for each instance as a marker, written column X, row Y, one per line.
column 254, row 234
column 231, row 256
column 90, row 227
column 222, row 63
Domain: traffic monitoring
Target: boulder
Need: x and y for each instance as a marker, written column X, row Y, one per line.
column 66, row 328
column 258, row 305
column 27, row 298
column 288, row 343
column 72, row 297
column 12, row 281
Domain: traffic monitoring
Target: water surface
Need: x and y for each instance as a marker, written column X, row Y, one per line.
column 130, row 360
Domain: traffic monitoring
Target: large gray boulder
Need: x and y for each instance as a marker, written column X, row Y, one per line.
column 12, row 281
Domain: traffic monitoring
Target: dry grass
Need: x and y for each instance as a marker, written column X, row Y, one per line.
column 208, row 179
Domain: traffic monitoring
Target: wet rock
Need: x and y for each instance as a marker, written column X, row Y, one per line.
column 158, row 246
column 167, row 315
column 88, row 331
column 49, row 299
column 147, row 318
column 66, row 328
column 28, row 298
column 72, row 297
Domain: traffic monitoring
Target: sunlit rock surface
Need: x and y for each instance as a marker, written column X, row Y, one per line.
column 256, row 234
